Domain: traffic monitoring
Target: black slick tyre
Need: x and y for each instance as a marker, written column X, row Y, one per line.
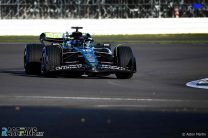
column 51, row 58
column 125, row 58
column 32, row 58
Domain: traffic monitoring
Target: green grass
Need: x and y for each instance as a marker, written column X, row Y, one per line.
column 24, row 39
column 163, row 38
column 154, row 36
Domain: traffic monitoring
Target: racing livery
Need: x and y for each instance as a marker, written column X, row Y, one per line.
column 76, row 54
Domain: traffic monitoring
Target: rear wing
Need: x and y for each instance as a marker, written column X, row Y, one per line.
column 61, row 37
column 57, row 37
column 52, row 37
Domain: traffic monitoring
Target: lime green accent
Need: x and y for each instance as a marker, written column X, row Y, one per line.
column 54, row 35
column 21, row 131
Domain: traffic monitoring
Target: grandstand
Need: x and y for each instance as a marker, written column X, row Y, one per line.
column 101, row 9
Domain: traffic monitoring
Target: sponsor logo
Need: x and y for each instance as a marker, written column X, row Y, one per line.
column 20, row 131
column 69, row 67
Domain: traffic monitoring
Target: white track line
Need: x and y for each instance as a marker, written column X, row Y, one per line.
column 97, row 98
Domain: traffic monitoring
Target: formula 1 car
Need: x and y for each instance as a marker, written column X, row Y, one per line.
column 76, row 54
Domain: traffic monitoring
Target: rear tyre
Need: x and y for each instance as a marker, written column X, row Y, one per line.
column 51, row 58
column 32, row 58
column 125, row 58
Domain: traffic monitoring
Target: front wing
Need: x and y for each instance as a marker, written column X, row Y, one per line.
column 84, row 68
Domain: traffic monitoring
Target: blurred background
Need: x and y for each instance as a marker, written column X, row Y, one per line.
column 101, row 9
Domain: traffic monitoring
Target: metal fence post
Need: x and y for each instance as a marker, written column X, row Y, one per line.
column 61, row 9
column 18, row 6
column 0, row 10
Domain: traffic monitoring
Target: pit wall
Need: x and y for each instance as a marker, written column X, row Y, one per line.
column 106, row 26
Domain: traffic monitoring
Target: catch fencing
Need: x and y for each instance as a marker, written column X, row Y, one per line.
column 101, row 9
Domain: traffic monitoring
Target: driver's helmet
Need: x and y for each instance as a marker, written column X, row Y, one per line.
column 88, row 40
column 77, row 35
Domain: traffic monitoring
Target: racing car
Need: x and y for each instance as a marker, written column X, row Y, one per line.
column 76, row 54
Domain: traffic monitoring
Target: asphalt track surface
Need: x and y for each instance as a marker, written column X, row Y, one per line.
column 154, row 103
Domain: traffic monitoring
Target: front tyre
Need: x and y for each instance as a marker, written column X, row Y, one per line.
column 125, row 58
column 32, row 56
column 51, row 58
